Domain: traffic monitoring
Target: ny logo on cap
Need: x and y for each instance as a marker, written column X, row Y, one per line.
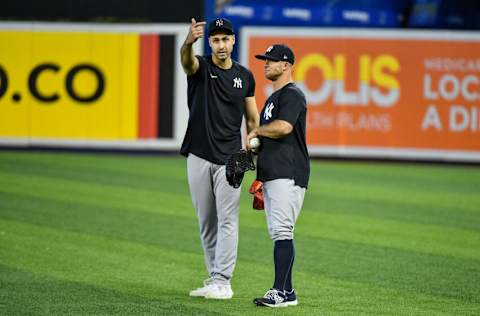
column 269, row 49
column 219, row 22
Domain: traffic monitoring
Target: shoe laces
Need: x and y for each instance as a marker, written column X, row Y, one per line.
column 222, row 287
column 274, row 295
column 208, row 281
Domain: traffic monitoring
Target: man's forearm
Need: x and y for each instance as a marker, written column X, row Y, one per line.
column 187, row 57
column 275, row 129
column 251, row 125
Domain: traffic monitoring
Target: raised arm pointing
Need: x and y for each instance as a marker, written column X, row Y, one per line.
column 187, row 55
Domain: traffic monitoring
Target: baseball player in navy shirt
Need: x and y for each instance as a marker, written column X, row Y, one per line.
column 283, row 166
column 220, row 93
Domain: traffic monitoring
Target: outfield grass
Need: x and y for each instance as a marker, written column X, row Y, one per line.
column 86, row 234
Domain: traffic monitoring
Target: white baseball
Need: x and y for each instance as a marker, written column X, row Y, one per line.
column 254, row 143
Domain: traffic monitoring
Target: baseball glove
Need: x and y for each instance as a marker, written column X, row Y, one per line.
column 236, row 166
column 257, row 190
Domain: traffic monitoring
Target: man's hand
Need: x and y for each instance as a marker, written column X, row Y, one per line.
column 252, row 134
column 276, row 129
column 188, row 59
column 195, row 32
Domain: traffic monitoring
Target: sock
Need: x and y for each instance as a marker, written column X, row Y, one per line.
column 288, row 283
column 283, row 256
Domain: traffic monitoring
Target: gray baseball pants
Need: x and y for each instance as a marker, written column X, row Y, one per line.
column 217, row 205
column 283, row 202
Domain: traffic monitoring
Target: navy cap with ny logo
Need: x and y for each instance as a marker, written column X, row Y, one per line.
column 220, row 25
column 278, row 52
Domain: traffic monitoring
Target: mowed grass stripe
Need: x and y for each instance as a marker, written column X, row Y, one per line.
column 451, row 206
column 80, row 298
column 130, row 268
column 153, row 199
column 61, row 253
column 162, row 275
column 389, row 267
column 354, row 247
column 402, row 211
column 456, row 198
column 425, row 238
column 398, row 184
column 325, row 256
column 145, row 165
column 385, row 192
column 145, row 227
column 429, row 239
column 423, row 176
column 97, row 194
column 38, row 294
column 161, row 176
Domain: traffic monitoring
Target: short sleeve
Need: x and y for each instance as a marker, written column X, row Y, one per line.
column 251, row 85
column 292, row 103
column 201, row 67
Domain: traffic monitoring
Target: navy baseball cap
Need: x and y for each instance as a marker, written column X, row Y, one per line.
column 278, row 52
column 220, row 25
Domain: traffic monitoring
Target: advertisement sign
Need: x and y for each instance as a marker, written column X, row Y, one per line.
column 69, row 85
column 399, row 94
column 92, row 85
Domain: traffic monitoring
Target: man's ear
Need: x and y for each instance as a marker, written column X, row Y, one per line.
column 233, row 35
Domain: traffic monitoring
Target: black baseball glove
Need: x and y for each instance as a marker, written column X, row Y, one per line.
column 236, row 166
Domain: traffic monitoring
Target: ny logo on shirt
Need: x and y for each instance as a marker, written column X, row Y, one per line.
column 268, row 111
column 237, row 83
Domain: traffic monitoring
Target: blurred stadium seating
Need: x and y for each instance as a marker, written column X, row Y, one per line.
column 425, row 14
column 436, row 14
column 445, row 14
column 448, row 14
column 365, row 13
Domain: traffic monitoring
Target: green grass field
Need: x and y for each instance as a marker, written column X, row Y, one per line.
column 103, row 234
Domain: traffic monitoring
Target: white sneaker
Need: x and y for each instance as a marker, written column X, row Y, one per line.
column 202, row 291
column 220, row 292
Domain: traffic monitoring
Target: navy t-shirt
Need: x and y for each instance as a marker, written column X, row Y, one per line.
column 287, row 157
column 216, row 102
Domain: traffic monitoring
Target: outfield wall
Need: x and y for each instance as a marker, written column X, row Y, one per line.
column 381, row 94
column 92, row 85
column 370, row 93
